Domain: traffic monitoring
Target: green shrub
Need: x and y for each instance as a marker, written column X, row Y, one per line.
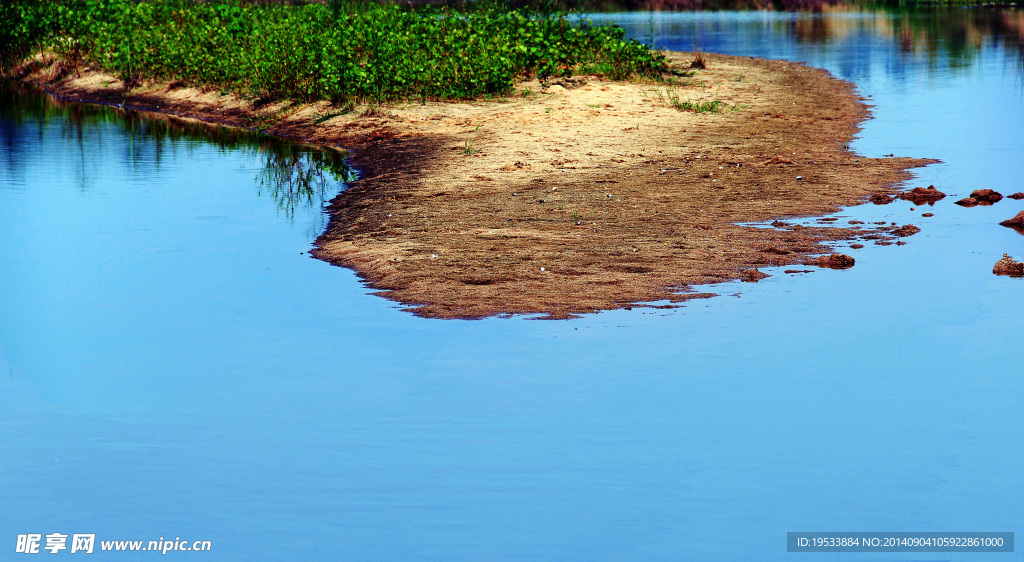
column 340, row 52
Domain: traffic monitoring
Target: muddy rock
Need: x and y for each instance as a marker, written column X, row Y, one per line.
column 983, row 195
column 881, row 199
column 1007, row 266
column 906, row 230
column 1016, row 222
column 967, row 202
column 927, row 214
column 832, row 261
column 922, row 195
column 856, row 246
column 1018, row 195
column 752, row 275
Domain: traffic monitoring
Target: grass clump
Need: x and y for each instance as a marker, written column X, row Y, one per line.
column 713, row 106
column 340, row 52
column 672, row 98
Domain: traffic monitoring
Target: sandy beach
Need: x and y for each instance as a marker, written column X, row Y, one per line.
column 574, row 195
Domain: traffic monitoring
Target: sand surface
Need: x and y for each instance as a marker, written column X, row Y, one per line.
column 581, row 195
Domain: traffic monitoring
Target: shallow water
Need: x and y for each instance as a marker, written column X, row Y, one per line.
column 179, row 367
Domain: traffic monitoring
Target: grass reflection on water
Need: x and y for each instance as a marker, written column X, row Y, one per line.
column 297, row 176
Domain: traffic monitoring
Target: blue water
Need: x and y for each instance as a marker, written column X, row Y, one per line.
column 177, row 366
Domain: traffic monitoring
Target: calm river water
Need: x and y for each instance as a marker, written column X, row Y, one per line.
column 174, row 365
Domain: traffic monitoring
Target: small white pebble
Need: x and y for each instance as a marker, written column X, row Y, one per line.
column 554, row 189
column 542, row 269
column 799, row 177
column 432, row 256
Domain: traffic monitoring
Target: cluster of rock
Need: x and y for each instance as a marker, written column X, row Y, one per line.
column 981, row 197
column 918, row 196
column 929, row 195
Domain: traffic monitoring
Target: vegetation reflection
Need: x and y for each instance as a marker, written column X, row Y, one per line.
column 298, row 177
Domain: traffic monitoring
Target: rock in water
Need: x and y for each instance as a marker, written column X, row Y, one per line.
column 832, row 261
column 1015, row 222
column 752, row 275
column 1007, row 266
column 921, row 195
column 981, row 195
column 906, row 230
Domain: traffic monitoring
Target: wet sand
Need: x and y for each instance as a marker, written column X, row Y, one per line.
column 581, row 195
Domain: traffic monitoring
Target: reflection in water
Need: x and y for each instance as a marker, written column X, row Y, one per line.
column 955, row 35
column 854, row 43
column 938, row 35
column 298, row 177
column 607, row 6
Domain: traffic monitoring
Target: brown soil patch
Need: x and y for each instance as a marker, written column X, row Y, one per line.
column 586, row 195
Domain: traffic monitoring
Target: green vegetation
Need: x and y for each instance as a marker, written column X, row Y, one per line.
column 713, row 106
column 341, row 52
column 672, row 98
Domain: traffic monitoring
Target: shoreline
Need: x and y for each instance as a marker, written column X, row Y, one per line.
column 578, row 196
